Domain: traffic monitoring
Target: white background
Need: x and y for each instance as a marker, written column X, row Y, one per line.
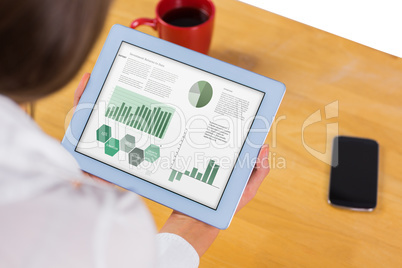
column 374, row 23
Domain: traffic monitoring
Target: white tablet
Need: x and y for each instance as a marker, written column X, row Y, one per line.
column 173, row 125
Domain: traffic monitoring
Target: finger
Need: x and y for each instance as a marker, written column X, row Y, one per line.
column 260, row 171
column 262, row 163
column 95, row 178
column 261, row 168
column 81, row 87
column 262, row 157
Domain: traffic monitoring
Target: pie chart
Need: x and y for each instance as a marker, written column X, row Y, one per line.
column 200, row 94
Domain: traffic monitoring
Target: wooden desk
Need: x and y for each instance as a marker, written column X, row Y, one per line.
column 289, row 223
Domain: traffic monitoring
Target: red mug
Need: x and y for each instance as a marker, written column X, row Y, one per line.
column 188, row 23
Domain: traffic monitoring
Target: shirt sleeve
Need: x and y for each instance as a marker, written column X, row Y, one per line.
column 175, row 251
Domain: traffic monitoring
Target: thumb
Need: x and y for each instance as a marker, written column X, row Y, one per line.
column 81, row 87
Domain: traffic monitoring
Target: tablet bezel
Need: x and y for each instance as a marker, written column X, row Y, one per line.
column 222, row 216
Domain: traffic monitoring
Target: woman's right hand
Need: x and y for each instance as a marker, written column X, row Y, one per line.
column 201, row 235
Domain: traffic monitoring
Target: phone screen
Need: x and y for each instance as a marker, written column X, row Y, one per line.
column 354, row 173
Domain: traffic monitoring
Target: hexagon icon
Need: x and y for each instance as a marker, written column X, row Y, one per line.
column 127, row 143
column 103, row 133
column 112, row 146
column 152, row 153
column 136, row 157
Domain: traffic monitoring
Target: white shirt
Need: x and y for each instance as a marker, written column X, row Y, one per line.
column 46, row 221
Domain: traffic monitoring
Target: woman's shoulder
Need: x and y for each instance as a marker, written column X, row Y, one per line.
column 30, row 159
column 27, row 150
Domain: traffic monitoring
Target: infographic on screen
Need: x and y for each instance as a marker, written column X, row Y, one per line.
column 170, row 124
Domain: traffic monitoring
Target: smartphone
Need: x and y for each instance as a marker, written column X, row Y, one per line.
column 354, row 173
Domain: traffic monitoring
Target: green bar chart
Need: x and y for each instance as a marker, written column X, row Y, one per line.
column 139, row 112
column 207, row 177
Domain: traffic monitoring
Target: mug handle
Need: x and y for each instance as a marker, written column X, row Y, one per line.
column 144, row 21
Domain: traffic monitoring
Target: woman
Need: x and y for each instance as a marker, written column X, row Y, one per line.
column 47, row 219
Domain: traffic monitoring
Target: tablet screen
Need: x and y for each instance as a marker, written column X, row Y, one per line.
column 169, row 123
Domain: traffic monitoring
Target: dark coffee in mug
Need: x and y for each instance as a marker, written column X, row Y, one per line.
column 185, row 16
column 188, row 23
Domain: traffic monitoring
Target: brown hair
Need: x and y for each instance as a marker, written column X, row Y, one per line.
column 44, row 42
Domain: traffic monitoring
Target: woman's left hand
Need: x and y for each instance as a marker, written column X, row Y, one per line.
column 81, row 87
column 77, row 96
